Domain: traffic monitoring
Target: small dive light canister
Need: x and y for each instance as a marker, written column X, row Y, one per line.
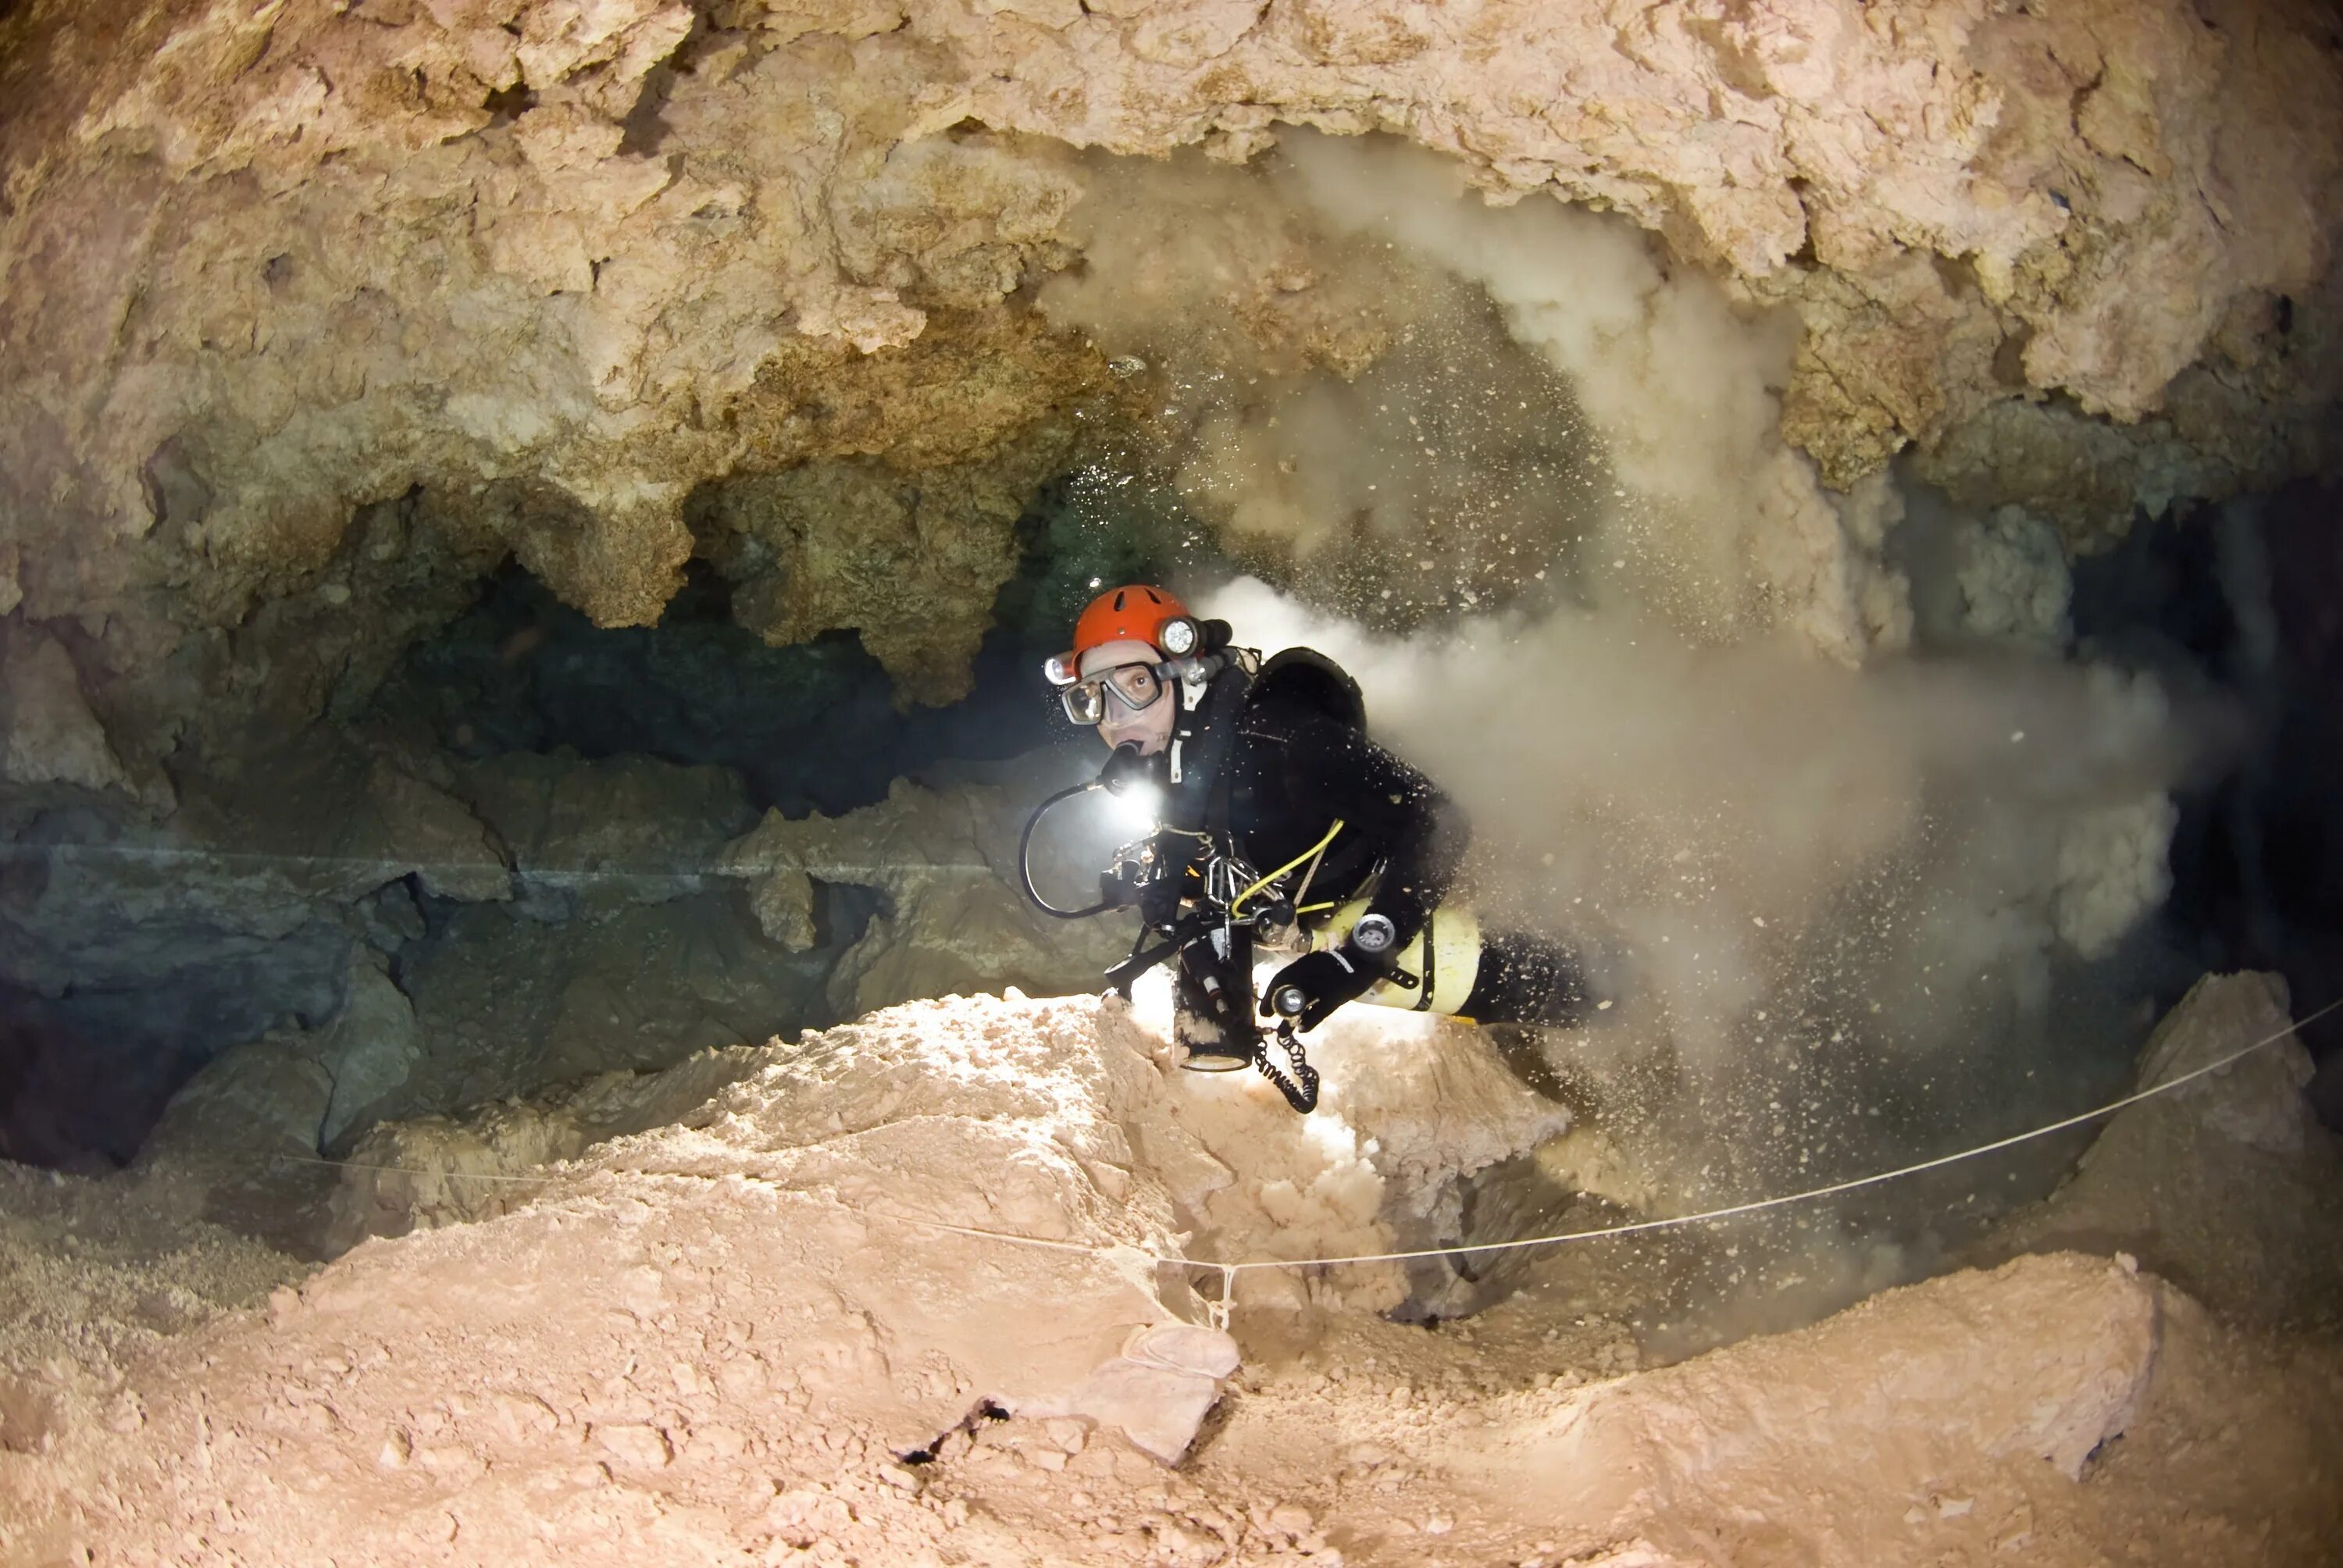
column 1177, row 636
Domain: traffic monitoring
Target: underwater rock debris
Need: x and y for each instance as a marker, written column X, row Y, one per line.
column 775, row 1327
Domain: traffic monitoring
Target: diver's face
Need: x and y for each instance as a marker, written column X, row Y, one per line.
column 1149, row 726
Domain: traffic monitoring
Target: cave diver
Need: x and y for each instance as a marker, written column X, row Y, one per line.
column 1267, row 764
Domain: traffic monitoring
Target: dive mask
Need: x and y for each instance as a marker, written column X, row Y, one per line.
column 1136, row 687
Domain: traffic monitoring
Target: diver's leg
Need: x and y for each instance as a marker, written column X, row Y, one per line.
column 1526, row 978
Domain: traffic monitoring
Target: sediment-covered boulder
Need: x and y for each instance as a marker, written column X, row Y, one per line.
column 954, row 917
column 845, row 1248
column 899, row 1293
column 2228, row 1185
column 1410, row 1106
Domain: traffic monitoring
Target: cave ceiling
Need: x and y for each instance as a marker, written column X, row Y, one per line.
column 317, row 312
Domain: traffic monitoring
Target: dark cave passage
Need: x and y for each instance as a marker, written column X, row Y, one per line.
column 589, row 775
column 2241, row 600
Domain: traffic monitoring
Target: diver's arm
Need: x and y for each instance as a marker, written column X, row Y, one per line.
column 1423, row 831
column 1426, row 856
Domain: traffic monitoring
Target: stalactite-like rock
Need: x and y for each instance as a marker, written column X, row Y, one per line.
column 557, row 267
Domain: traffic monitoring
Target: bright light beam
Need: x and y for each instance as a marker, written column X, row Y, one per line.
column 1139, row 807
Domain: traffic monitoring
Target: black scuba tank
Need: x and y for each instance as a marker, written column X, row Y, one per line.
column 1306, row 678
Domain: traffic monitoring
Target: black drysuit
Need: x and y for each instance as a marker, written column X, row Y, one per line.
column 1295, row 771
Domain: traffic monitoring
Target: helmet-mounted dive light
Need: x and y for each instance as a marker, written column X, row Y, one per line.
column 1178, row 636
column 1058, row 670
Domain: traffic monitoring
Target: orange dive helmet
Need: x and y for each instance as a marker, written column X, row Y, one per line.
column 1132, row 613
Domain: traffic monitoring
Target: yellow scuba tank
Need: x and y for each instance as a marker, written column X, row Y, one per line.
column 1451, row 937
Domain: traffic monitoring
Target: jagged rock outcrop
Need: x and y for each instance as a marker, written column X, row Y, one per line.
column 2228, row 1185
column 535, row 274
column 131, row 949
column 911, row 561
column 945, row 862
column 630, row 931
column 1411, row 1105
column 289, row 854
column 605, row 834
column 50, row 735
column 794, row 1326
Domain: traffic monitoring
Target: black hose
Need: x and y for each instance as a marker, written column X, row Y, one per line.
column 1025, row 857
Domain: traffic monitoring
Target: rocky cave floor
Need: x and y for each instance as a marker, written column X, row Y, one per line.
column 775, row 1320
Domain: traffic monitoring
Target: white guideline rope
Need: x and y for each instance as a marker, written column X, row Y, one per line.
column 1229, row 1270
column 1736, row 1210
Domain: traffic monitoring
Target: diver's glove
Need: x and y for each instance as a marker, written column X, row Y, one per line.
column 1326, row 980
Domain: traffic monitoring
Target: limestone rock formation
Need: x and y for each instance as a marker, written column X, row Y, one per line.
column 241, row 1144
column 531, row 279
column 578, row 923
column 2039, row 1364
column 954, row 917
column 2228, row 1185
column 52, row 738
column 547, row 920
column 911, row 562
column 137, row 948
column 442, row 1171
column 1158, row 1392
column 238, row 1147
column 283, row 854
column 369, row 1049
column 1411, row 1105
column 309, row 319
column 605, row 834
column 894, row 1294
